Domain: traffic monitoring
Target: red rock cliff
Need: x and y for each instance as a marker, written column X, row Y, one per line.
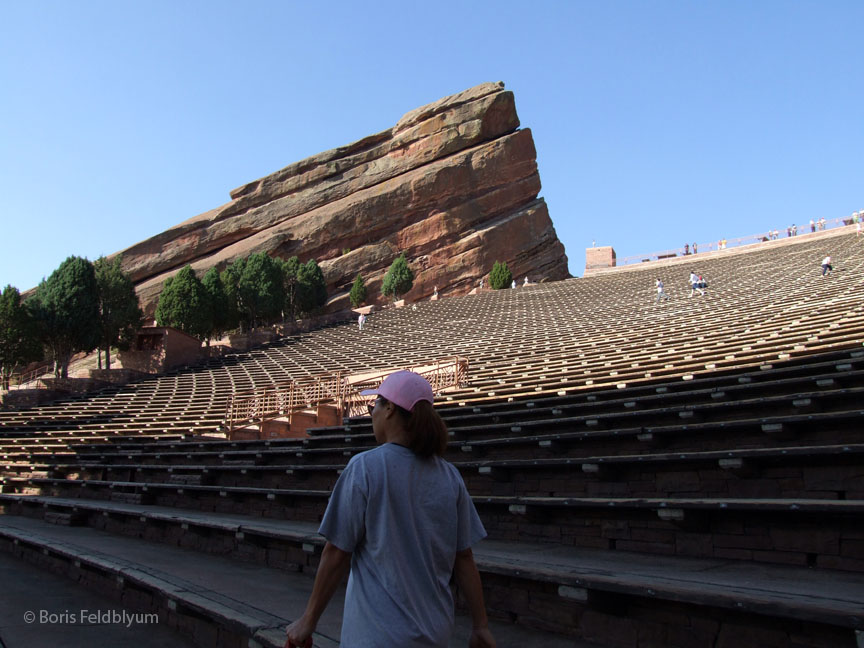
column 453, row 184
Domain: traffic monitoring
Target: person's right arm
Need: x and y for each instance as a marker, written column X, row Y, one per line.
column 333, row 567
column 468, row 579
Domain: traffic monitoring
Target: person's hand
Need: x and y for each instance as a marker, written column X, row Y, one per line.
column 299, row 634
column 481, row 638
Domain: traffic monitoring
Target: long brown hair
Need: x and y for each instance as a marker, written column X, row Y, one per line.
column 426, row 430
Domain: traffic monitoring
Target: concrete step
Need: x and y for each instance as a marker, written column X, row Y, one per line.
column 213, row 600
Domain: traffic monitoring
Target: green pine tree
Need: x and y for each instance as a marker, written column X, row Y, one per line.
column 19, row 343
column 399, row 278
column 119, row 313
column 290, row 269
column 261, row 289
column 312, row 289
column 66, row 308
column 358, row 292
column 184, row 304
column 224, row 314
column 230, row 277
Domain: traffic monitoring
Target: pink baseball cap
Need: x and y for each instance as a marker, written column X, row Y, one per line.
column 404, row 388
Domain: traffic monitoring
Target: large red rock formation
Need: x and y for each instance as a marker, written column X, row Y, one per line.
column 453, row 184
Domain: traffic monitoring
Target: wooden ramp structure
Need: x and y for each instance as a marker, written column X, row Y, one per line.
column 338, row 392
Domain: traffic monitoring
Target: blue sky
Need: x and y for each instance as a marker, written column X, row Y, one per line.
column 656, row 123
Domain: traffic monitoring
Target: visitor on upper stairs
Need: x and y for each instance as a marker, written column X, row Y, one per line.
column 402, row 524
column 361, row 320
column 660, row 293
column 695, row 284
column 826, row 266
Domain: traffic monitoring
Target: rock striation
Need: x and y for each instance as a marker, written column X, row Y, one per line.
column 454, row 184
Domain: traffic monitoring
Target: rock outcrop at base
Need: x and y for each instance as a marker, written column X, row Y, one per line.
column 453, row 184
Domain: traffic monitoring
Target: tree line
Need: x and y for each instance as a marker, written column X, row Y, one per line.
column 81, row 306
column 84, row 306
column 254, row 291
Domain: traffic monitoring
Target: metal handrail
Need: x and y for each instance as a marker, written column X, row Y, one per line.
column 20, row 380
column 336, row 388
column 442, row 374
column 279, row 400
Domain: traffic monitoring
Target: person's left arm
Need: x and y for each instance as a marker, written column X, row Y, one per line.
column 468, row 579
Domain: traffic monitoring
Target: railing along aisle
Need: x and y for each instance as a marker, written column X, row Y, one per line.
column 337, row 389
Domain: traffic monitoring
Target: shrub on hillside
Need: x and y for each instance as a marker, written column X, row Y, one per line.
column 500, row 277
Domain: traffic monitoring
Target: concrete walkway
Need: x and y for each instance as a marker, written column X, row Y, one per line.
column 247, row 589
column 37, row 609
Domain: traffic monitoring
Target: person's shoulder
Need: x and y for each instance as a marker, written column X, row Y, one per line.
column 448, row 467
column 364, row 457
column 387, row 452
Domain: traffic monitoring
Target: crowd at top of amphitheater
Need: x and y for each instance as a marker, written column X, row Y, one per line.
column 792, row 230
column 815, row 225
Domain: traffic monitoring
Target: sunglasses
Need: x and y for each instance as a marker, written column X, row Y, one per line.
column 371, row 406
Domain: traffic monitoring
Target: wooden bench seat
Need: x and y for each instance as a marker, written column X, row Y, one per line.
column 764, row 431
column 785, row 472
column 267, row 502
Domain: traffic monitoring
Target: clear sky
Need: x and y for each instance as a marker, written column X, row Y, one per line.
column 656, row 122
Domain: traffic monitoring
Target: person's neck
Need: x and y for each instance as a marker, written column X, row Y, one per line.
column 399, row 437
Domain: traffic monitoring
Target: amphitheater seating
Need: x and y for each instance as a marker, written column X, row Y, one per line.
column 649, row 474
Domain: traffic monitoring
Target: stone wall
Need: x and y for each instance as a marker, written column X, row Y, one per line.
column 166, row 348
column 599, row 257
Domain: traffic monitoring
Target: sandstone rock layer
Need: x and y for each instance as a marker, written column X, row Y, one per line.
column 453, row 184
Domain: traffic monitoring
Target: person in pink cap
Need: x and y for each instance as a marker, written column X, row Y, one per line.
column 400, row 522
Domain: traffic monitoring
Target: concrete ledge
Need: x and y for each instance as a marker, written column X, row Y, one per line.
column 232, row 622
column 773, row 594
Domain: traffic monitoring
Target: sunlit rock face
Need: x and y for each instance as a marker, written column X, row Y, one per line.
column 454, row 185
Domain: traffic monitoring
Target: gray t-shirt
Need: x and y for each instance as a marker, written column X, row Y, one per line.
column 403, row 518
